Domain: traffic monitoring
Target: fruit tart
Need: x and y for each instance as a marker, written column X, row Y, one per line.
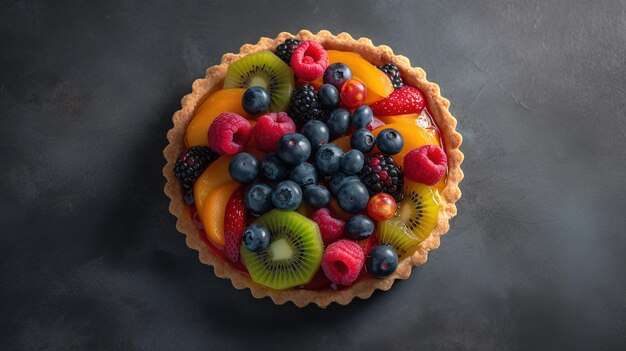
column 313, row 168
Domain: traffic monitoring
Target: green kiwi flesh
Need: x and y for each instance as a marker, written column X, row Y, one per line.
column 394, row 232
column 294, row 254
column 266, row 70
column 419, row 209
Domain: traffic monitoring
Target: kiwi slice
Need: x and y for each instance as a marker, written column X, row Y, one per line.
column 419, row 209
column 263, row 69
column 395, row 233
column 294, row 254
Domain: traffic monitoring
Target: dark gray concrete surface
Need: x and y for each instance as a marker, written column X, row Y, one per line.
column 90, row 257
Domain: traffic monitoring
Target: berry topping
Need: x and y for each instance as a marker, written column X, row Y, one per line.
column 352, row 161
column 273, row 168
column 381, row 175
column 353, row 93
column 426, row 164
column 244, row 168
column 258, row 198
column 328, row 159
column 190, row 165
column 342, row 261
column 309, row 60
column 329, row 96
column 381, row 261
column 353, row 197
column 234, row 222
column 305, row 105
column 402, row 101
column 317, row 132
column 286, row 49
column 389, row 141
column 293, row 148
column 316, row 196
column 256, row 238
column 270, row 127
column 381, row 207
column 287, row 195
column 338, row 123
column 362, row 140
column 331, row 228
column 359, row 227
column 256, row 100
column 394, row 75
column 229, row 133
column 362, row 117
column 337, row 74
column 339, row 179
column 304, row 174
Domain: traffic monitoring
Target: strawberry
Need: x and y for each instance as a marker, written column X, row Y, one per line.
column 234, row 223
column 401, row 101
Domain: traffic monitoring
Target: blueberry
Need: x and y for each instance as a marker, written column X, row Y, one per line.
column 381, row 261
column 352, row 161
column 256, row 100
column 304, row 174
column 317, row 132
column 362, row 140
column 353, row 197
column 258, row 198
column 362, row 116
column 359, row 227
column 389, row 141
column 273, row 168
column 293, row 148
column 339, row 179
column 256, row 238
column 316, row 196
column 287, row 195
column 329, row 96
column 338, row 123
column 337, row 74
column 328, row 159
column 244, row 168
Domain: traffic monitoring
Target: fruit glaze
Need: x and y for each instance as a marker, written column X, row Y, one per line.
column 313, row 168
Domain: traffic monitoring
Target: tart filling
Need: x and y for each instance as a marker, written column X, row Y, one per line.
column 311, row 173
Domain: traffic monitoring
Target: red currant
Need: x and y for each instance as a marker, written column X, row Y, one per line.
column 353, row 93
column 381, row 207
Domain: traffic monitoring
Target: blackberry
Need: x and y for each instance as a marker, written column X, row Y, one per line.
column 381, row 175
column 190, row 164
column 305, row 106
column 286, row 49
column 392, row 72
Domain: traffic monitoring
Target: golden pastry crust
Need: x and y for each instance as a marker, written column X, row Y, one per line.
column 363, row 288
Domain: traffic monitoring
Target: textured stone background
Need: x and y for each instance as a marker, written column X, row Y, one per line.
column 90, row 257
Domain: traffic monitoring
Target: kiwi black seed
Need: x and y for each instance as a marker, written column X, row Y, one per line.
column 266, row 70
column 294, row 254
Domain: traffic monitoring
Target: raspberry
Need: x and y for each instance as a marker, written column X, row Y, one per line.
column 426, row 164
column 343, row 261
column 234, row 223
column 270, row 127
column 229, row 133
column 309, row 60
column 330, row 227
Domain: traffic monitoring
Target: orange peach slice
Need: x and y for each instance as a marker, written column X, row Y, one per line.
column 378, row 84
column 214, row 211
column 225, row 100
